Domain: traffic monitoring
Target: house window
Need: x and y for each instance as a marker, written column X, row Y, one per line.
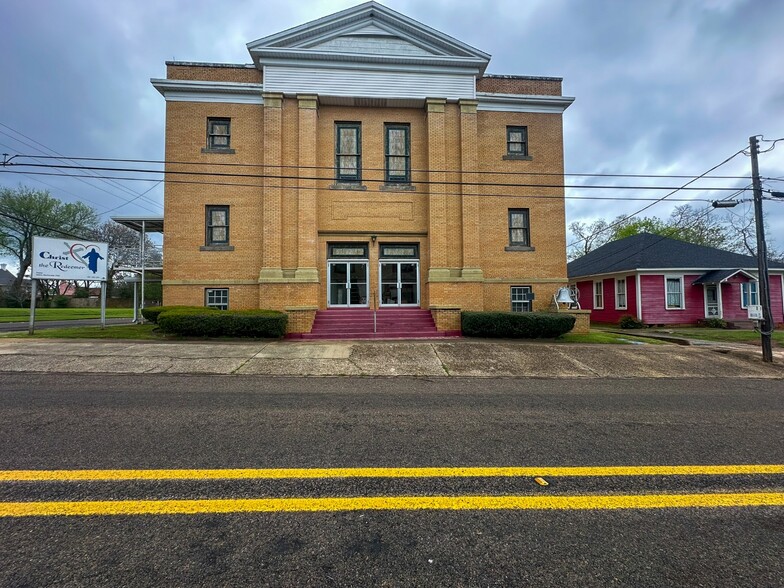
column 517, row 140
column 217, row 225
column 748, row 294
column 219, row 133
column 620, row 294
column 519, row 228
column 397, row 153
column 674, row 292
column 348, row 152
column 217, row 298
column 522, row 296
column 598, row 295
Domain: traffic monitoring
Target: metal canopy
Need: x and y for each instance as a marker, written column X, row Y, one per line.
column 143, row 225
column 151, row 224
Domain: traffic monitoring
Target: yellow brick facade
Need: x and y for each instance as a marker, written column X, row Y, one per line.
column 286, row 207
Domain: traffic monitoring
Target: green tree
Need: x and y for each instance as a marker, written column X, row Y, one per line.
column 684, row 223
column 25, row 213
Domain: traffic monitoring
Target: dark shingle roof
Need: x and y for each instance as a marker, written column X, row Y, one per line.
column 6, row 277
column 648, row 251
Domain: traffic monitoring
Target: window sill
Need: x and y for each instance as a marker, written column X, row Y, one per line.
column 402, row 187
column 216, row 248
column 347, row 186
column 519, row 248
column 221, row 151
column 509, row 157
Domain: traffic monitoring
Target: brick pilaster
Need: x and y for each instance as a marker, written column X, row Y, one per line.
column 307, row 231
column 436, row 165
column 271, row 199
column 469, row 161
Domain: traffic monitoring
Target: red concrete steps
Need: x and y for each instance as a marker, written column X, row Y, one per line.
column 390, row 323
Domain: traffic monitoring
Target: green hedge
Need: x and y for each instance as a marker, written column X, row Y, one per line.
column 516, row 325
column 150, row 313
column 202, row 322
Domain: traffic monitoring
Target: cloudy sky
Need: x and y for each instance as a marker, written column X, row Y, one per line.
column 662, row 86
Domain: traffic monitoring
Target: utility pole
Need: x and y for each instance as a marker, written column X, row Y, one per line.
column 766, row 326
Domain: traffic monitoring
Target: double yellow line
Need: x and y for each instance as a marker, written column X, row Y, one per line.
column 332, row 504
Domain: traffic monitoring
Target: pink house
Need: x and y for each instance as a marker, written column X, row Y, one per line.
column 663, row 281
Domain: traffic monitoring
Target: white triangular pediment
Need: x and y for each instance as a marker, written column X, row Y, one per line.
column 366, row 43
column 369, row 30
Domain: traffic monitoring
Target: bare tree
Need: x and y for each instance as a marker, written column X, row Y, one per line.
column 124, row 247
column 589, row 237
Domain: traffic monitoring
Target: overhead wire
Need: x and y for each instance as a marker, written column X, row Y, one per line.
column 364, row 168
column 666, row 196
column 381, row 181
column 690, row 225
column 461, row 193
column 61, row 157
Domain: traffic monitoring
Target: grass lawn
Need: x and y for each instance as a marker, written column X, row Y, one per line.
column 110, row 332
column 22, row 315
column 602, row 337
column 726, row 335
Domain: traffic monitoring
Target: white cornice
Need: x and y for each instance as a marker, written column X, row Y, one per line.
column 289, row 56
column 391, row 67
column 206, row 91
column 522, row 102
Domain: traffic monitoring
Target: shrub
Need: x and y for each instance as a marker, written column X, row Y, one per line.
column 150, row 313
column 713, row 323
column 516, row 325
column 630, row 322
column 204, row 322
column 60, row 301
column 81, row 292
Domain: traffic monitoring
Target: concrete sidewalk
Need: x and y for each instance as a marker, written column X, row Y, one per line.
column 457, row 357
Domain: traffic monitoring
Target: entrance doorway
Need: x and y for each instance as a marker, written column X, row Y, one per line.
column 347, row 283
column 712, row 306
column 399, row 283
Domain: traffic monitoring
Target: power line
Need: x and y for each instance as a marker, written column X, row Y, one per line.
column 332, row 190
column 332, row 168
column 661, row 238
column 40, row 226
column 382, row 181
column 132, row 199
column 644, row 208
column 63, row 159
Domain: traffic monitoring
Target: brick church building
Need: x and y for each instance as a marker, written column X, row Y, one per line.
column 362, row 161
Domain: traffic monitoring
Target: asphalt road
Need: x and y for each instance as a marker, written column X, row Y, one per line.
column 76, row 422
column 11, row 327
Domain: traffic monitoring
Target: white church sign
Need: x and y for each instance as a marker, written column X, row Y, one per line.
column 60, row 259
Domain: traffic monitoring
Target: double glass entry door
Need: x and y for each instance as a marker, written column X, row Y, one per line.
column 399, row 283
column 348, row 283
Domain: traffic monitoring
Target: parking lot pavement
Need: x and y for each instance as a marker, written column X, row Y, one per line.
column 456, row 357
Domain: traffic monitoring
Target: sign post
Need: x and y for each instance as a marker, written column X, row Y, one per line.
column 33, row 295
column 61, row 259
